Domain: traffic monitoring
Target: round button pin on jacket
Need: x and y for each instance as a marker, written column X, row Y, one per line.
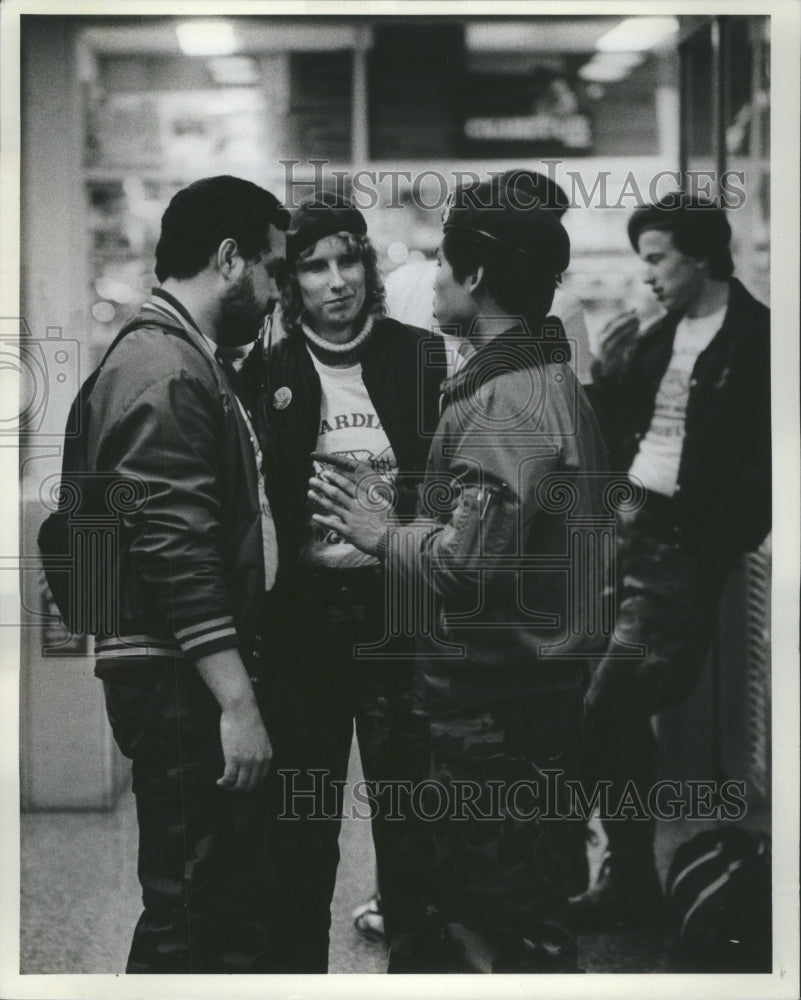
column 282, row 397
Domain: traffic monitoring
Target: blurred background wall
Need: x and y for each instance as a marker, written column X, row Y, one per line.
column 118, row 113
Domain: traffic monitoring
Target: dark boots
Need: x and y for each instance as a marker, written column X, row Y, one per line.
column 627, row 892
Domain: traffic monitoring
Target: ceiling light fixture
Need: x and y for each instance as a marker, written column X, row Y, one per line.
column 207, row 37
column 609, row 67
column 638, row 34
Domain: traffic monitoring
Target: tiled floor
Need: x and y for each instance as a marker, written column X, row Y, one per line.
column 80, row 898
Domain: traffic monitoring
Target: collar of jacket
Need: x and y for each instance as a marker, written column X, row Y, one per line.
column 167, row 307
column 741, row 305
column 516, row 349
column 177, row 307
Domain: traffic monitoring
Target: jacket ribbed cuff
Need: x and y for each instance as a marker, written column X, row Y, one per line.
column 204, row 638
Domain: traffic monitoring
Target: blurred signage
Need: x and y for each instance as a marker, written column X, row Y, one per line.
column 536, row 114
column 571, row 130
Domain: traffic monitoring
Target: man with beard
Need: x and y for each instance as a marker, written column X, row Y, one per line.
column 514, row 477
column 196, row 554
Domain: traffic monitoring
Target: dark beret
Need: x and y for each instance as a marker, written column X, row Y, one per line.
column 700, row 224
column 488, row 210
column 322, row 214
column 528, row 187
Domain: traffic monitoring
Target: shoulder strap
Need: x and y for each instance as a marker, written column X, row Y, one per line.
column 137, row 323
column 75, row 419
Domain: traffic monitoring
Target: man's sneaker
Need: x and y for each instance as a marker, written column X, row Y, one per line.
column 616, row 902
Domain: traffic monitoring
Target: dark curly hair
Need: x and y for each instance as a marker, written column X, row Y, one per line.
column 292, row 300
column 699, row 229
column 201, row 216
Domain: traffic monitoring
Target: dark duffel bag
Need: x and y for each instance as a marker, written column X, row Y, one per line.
column 719, row 893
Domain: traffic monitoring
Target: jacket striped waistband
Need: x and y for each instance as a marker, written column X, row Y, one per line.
column 124, row 646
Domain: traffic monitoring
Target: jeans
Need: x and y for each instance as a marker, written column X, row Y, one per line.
column 666, row 602
column 199, row 845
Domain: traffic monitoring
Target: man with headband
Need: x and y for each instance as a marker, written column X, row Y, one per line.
column 516, row 467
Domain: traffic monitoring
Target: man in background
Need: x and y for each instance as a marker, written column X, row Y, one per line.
column 687, row 413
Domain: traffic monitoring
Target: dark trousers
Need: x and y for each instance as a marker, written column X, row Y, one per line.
column 504, row 863
column 316, row 689
column 667, row 597
column 204, row 903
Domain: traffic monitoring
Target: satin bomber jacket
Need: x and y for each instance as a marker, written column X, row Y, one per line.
column 189, row 564
column 498, row 563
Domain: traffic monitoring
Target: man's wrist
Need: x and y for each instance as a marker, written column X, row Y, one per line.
column 382, row 545
column 225, row 675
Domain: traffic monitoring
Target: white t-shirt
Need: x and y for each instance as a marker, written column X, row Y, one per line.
column 349, row 426
column 268, row 534
column 656, row 464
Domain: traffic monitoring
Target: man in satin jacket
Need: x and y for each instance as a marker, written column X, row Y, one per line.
column 195, row 559
column 514, row 490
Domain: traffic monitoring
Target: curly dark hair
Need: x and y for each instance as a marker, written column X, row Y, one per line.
column 699, row 229
column 201, row 216
column 292, row 300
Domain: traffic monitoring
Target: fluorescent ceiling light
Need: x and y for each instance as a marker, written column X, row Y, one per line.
column 620, row 60
column 559, row 34
column 208, row 37
column 638, row 34
column 608, row 67
column 117, row 291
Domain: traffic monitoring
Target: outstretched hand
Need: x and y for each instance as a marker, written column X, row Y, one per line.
column 352, row 499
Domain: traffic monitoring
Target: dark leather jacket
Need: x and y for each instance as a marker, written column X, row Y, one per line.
column 402, row 367
column 723, row 498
